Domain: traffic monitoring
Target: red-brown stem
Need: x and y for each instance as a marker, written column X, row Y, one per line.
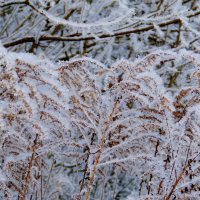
column 28, row 170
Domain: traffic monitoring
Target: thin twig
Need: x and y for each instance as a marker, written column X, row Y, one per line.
column 46, row 185
column 180, row 177
column 28, row 171
column 98, row 155
column 101, row 36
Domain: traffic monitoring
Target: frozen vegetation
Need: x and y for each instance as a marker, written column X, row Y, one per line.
column 99, row 99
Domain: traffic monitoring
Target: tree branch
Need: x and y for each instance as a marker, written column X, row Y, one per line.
column 12, row 3
column 100, row 36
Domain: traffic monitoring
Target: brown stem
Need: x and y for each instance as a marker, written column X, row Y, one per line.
column 28, row 170
column 179, row 178
column 98, row 155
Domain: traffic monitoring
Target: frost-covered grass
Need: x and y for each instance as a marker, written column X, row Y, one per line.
column 99, row 99
column 81, row 130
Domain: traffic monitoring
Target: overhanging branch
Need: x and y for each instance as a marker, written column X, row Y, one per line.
column 100, row 36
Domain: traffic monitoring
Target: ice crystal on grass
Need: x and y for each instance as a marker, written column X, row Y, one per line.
column 66, row 127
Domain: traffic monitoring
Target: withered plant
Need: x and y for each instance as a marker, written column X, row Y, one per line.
column 81, row 130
